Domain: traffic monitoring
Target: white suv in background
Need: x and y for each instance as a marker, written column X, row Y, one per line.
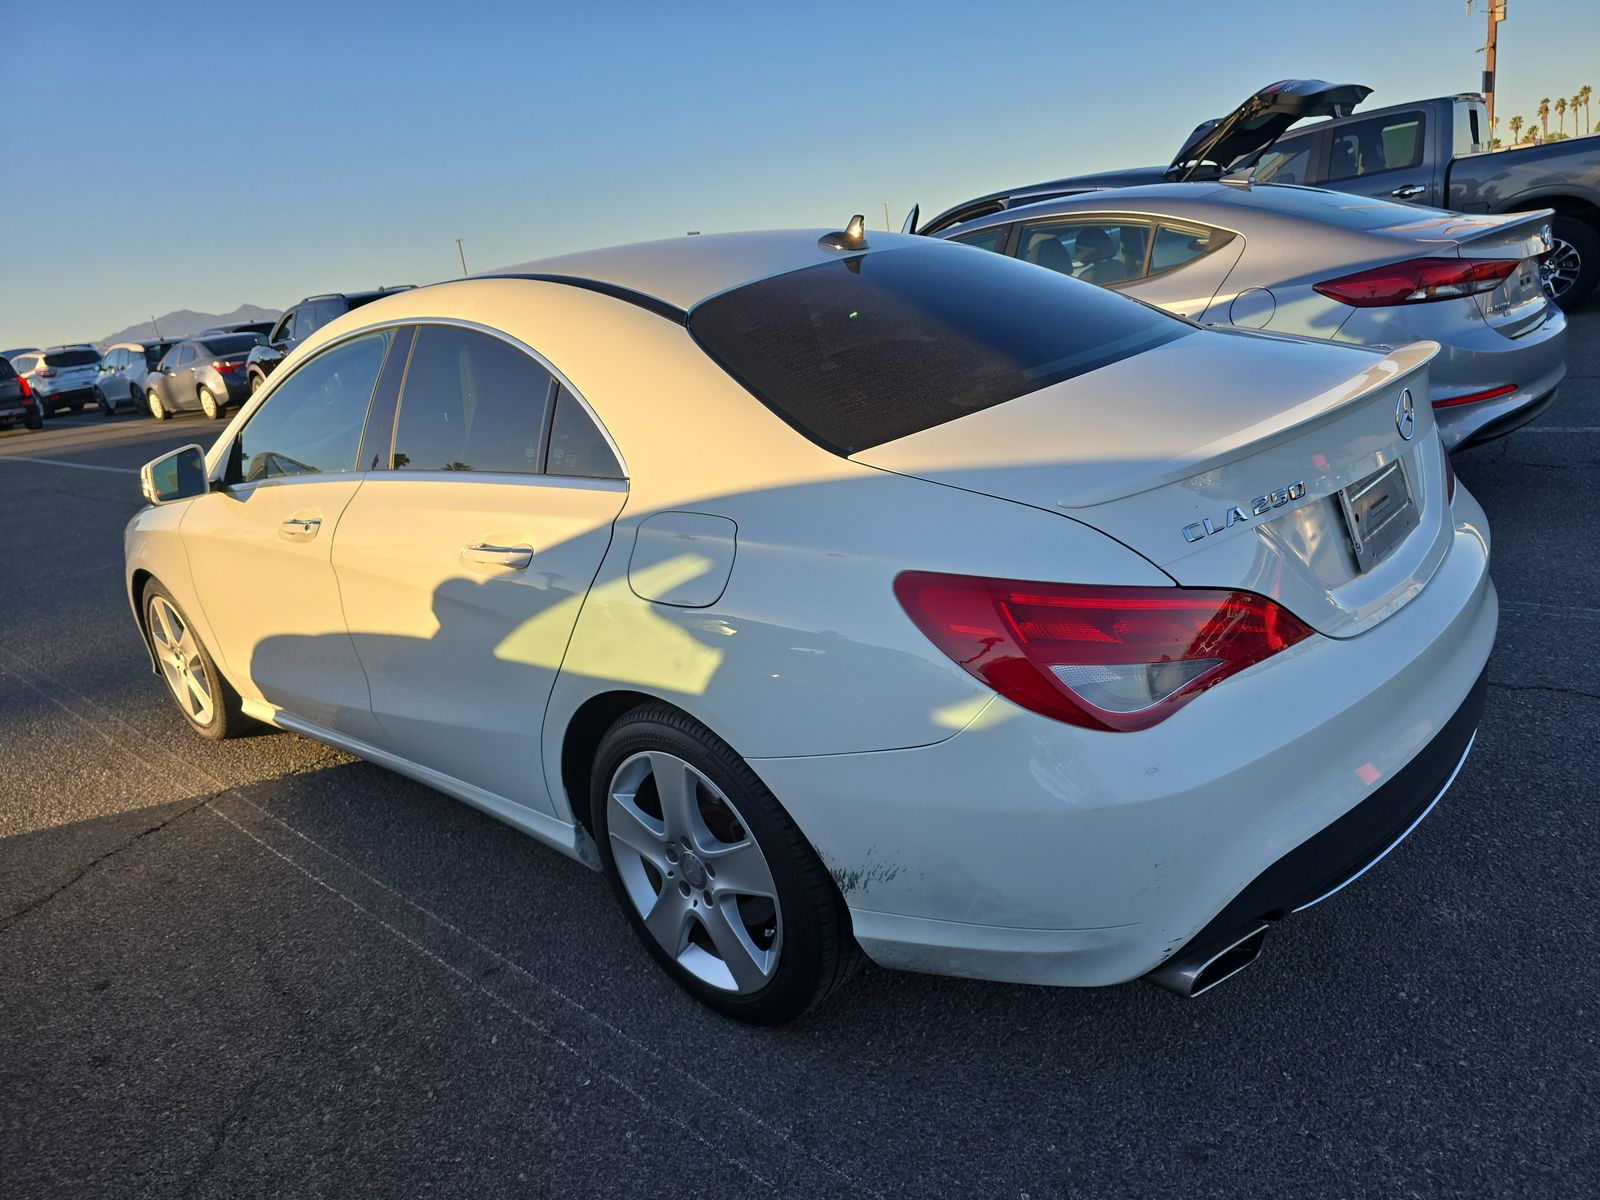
column 62, row 377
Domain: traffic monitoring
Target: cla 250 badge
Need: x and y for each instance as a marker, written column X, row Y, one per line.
column 1259, row 507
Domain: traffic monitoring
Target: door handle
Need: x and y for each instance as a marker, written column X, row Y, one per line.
column 516, row 557
column 300, row 528
column 1408, row 191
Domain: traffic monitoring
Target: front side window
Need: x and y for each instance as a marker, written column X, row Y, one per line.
column 577, row 447
column 1382, row 144
column 1099, row 250
column 285, row 330
column 877, row 346
column 311, row 423
column 471, row 402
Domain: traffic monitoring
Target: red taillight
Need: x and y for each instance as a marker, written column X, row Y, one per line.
column 225, row 368
column 1418, row 281
column 1113, row 658
column 45, row 373
column 1474, row 397
column 1449, row 480
column 27, row 392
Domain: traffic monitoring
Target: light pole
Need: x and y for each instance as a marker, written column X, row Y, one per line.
column 1497, row 13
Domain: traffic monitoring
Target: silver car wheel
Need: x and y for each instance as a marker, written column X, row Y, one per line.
column 178, row 654
column 158, row 410
column 694, row 873
column 208, row 403
column 1560, row 268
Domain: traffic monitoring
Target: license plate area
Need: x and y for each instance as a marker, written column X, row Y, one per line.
column 1378, row 513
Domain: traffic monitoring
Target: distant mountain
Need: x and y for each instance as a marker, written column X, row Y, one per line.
column 186, row 322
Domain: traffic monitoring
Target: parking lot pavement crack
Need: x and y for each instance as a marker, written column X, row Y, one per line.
column 88, row 868
column 234, row 1117
column 1546, row 687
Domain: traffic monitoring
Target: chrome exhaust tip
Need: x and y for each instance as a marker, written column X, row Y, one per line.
column 1191, row 974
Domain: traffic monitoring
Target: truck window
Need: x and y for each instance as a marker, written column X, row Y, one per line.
column 1381, row 144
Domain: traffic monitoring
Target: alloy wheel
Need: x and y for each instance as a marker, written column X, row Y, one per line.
column 694, row 873
column 157, row 409
column 178, row 654
column 1560, row 269
column 208, row 404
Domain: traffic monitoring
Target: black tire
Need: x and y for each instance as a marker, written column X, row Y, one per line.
column 1582, row 238
column 227, row 719
column 33, row 422
column 817, row 951
column 106, row 408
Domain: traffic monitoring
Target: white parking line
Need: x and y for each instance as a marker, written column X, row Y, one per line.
column 1560, row 429
column 61, row 462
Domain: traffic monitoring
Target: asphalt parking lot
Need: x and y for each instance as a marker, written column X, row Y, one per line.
column 266, row 968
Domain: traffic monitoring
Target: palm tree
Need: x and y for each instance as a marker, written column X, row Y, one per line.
column 1516, row 124
column 1583, row 95
column 1572, row 107
column 1561, row 115
column 1544, row 115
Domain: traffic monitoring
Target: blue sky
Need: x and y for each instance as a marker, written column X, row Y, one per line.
column 207, row 155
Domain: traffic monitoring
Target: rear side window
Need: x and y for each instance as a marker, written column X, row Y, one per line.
column 984, row 239
column 1176, row 245
column 311, row 424
column 577, row 447
column 471, row 403
column 71, row 358
column 1288, row 162
column 1368, row 147
column 877, row 346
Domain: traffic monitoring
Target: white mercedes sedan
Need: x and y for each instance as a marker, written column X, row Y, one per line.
column 827, row 596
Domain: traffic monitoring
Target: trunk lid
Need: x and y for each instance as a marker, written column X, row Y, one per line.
column 1229, row 459
column 1261, row 120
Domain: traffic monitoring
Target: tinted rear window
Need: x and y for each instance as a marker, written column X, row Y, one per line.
column 71, row 358
column 878, row 346
column 5, row 370
column 233, row 343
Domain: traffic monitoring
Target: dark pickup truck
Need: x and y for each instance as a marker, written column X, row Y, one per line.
column 1428, row 152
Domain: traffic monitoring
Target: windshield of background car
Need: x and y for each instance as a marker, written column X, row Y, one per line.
column 233, row 343
column 71, row 358
column 882, row 345
column 152, row 354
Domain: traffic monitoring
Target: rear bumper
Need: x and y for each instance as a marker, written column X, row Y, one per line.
column 1029, row 851
column 1474, row 358
column 1345, row 850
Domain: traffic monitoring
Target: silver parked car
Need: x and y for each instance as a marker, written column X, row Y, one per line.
column 1324, row 264
column 204, row 373
column 122, row 374
column 61, row 377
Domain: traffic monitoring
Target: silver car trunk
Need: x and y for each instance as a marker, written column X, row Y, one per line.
column 1228, row 459
column 1518, row 304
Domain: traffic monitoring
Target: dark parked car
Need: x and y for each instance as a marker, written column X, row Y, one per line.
column 16, row 401
column 123, row 370
column 201, row 373
column 8, row 355
column 1429, row 152
column 300, row 322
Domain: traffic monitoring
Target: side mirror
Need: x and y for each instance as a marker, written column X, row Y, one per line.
column 261, row 340
column 175, row 476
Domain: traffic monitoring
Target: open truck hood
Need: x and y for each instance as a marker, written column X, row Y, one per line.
column 1261, row 120
column 1159, row 449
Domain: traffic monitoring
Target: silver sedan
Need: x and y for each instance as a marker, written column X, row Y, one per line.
column 1325, row 264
